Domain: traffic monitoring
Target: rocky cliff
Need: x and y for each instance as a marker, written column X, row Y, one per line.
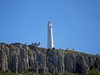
column 19, row 58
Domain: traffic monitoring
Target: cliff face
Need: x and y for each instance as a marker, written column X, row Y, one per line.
column 20, row 58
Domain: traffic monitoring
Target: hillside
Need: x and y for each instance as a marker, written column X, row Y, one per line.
column 20, row 58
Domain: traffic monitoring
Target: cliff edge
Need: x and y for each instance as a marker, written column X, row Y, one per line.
column 19, row 58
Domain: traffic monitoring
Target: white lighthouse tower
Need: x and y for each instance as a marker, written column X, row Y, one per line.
column 50, row 43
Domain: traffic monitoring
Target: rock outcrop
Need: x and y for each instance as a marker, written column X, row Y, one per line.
column 19, row 58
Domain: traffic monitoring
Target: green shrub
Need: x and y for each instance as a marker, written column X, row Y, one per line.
column 90, row 72
column 94, row 72
column 7, row 73
column 48, row 73
column 67, row 73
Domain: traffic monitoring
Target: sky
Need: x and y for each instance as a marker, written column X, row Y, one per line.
column 76, row 23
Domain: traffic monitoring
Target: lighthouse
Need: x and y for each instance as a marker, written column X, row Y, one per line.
column 50, row 42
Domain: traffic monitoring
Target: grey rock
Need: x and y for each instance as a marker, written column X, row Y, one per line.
column 19, row 58
column 70, row 62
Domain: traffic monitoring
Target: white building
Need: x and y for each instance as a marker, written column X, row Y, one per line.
column 50, row 42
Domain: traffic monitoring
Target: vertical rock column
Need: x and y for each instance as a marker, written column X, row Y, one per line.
column 70, row 61
column 26, row 58
column 1, row 55
column 4, row 62
column 60, row 63
column 17, row 56
column 21, row 61
column 81, row 66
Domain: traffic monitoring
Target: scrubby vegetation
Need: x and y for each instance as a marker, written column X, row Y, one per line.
column 94, row 72
column 91, row 72
column 7, row 73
